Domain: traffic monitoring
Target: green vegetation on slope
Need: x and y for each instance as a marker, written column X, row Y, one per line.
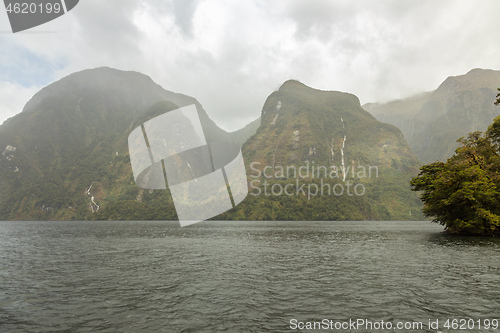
column 307, row 129
column 72, row 137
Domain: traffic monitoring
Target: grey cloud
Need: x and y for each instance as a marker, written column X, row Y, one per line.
column 184, row 11
column 106, row 27
column 378, row 50
column 321, row 19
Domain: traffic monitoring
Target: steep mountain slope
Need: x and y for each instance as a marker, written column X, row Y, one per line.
column 311, row 140
column 432, row 122
column 67, row 150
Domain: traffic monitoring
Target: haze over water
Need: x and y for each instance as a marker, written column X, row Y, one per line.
column 239, row 276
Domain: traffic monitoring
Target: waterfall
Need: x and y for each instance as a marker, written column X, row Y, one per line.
column 342, row 154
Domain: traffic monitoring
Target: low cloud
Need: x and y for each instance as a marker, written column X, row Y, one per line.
column 232, row 55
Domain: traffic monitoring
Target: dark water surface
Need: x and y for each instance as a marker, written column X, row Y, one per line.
column 241, row 276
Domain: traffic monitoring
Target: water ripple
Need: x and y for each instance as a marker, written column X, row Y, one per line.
column 238, row 276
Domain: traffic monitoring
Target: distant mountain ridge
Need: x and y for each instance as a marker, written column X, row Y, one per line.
column 433, row 121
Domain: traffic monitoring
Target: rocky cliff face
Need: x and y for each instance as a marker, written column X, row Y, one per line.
column 311, row 138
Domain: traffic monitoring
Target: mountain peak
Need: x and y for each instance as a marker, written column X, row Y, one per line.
column 476, row 78
column 292, row 85
column 295, row 86
column 102, row 79
column 476, row 71
column 104, row 76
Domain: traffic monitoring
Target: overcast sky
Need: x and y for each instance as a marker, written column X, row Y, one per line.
column 231, row 54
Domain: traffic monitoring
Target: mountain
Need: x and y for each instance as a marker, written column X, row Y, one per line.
column 433, row 121
column 311, row 140
column 66, row 154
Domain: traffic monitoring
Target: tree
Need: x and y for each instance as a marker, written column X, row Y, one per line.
column 463, row 193
column 498, row 98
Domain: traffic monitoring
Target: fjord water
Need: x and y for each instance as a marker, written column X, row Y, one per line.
column 239, row 276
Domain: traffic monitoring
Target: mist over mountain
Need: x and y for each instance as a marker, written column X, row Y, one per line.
column 65, row 156
column 72, row 137
column 432, row 122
